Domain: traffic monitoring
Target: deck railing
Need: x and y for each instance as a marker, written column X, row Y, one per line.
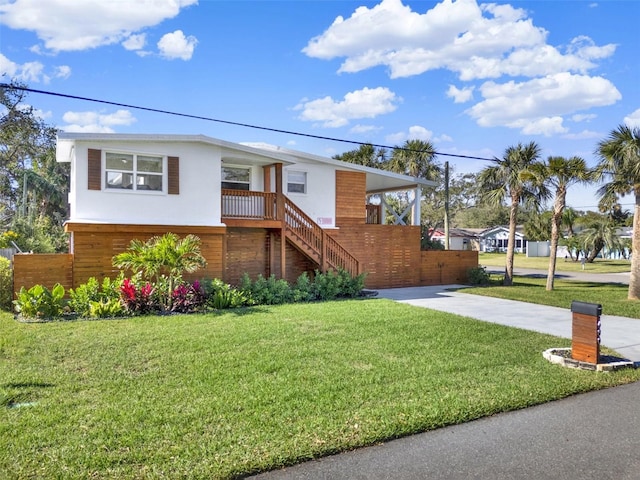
column 249, row 205
column 327, row 249
column 374, row 214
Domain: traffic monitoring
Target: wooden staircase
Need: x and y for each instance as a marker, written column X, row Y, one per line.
column 310, row 239
column 276, row 211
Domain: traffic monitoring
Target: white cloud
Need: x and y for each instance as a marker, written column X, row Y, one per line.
column 176, row 45
column 583, row 117
column 135, row 42
column 364, row 129
column 62, row 71
column 365, row 103
column 95, row 122
column 417, row 132
column 476, row 41
column 29, row 72
column 633, row 119
column 536, row 106
column 584, row 135
column 65, row 25
column 460, row 95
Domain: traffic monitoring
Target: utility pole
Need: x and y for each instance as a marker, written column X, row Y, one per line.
column 446, row 205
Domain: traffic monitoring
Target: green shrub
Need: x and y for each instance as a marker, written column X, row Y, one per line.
column 478, row 276
column 106, row 308
column 221, row 295
column 302, row 291
column 350, row 287
column 83, row 298
column 327, row 286
column 40, row 302
column 268, row 291
column 6, row 284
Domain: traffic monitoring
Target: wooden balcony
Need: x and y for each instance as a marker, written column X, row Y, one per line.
column 242, row 208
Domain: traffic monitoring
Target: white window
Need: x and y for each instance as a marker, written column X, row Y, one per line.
column 296, row 182
column 134, row 172
column 236, row 178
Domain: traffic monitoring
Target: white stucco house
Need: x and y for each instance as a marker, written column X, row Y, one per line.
column 258, row 209
column 496, row 239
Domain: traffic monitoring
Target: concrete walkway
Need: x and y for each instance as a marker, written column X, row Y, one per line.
column 589, row 436
column 620, row 333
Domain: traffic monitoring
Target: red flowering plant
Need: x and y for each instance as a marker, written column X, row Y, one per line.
column 138, row 300
column 188, row 298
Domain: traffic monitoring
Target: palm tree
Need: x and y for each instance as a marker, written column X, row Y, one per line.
column 415, row 158
column 620, row 163
column 561, row 173
column 599, row 231
column 569, row 217
column 515, row 176
column 366, row 155
column 166, row 255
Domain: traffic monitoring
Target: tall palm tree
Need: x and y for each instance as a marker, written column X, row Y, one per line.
column 515, row 176
column 415, row 158
column 560, row 173
column 620, row 163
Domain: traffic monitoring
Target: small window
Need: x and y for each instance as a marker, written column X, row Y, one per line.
column 296, row 182
column 133, row 172
column 236, row 178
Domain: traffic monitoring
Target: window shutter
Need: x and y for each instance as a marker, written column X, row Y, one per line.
column 94, row 169
column 173, row 175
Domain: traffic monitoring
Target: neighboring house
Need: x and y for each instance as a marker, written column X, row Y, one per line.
column 495, row 239
column 459, row 238
column 257, row 209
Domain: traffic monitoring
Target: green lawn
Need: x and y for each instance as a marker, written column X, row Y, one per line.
column 542, row 263
column 217, row 396
column 612, row 296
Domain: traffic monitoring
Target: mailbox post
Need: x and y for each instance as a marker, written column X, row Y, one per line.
column 585, row 343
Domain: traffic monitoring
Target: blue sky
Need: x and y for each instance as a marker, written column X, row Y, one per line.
column 473, row 78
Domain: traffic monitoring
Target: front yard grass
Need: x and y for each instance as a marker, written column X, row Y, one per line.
column 612, row 296
column 542, row 263
column 218, row 396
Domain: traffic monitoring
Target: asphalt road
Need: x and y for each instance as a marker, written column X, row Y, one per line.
column 590, row 436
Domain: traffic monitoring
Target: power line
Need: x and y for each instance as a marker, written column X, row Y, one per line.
column 228, row 122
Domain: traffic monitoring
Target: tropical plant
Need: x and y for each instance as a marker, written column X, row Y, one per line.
column 620, row 164
column 415, row 158
column 366, row 155
column 40, row 302
column 82, row 299
column 188, row 297
column 599, row 231
column 166, row 255
column 138, row 299
column 515, row 176
column 221, row 295
column 561, row 173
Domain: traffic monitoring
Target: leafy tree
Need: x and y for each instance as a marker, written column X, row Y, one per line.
column 538, row 227
column 166, row 256
column 620, row 163
column 33, row 186
column 560, row 173
column 514, row 176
